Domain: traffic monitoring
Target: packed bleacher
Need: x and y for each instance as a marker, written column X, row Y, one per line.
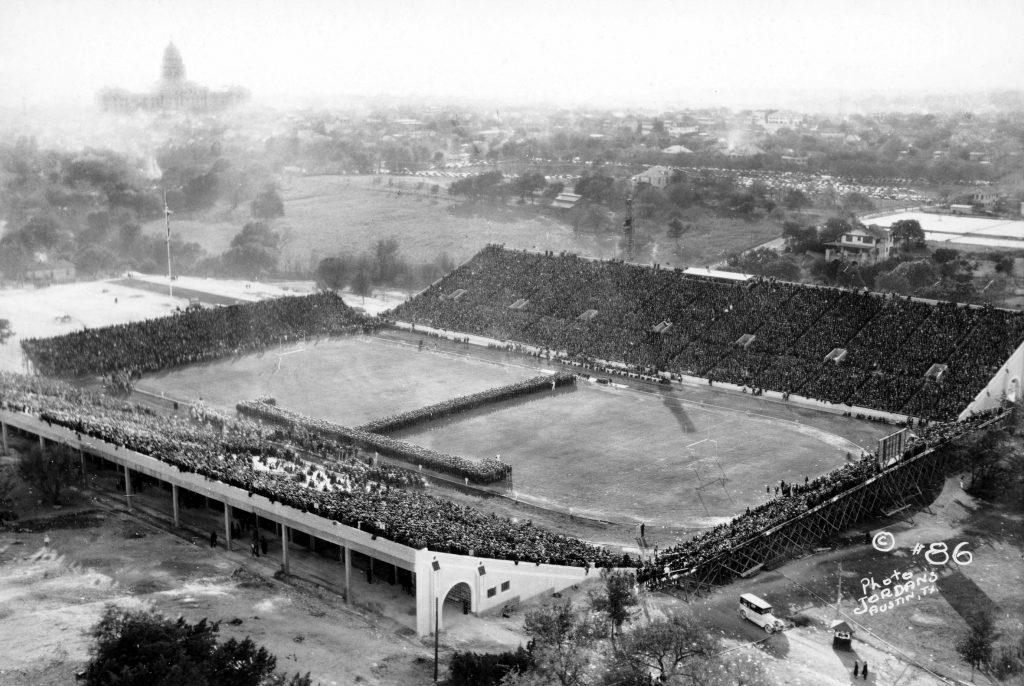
column 193, row 336
column 237, row 455
column 793, row 500
column 891, row 342
column 465, row 403
column 484, row 471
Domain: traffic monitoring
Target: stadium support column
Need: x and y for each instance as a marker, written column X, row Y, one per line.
column 174, row 505
column 227, row 525
column 3, row 429
column 348, row 573
column 284, row 548
column 42, row 443
column 128, row 486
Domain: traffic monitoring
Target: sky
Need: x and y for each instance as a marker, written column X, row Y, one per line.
column 566, row 52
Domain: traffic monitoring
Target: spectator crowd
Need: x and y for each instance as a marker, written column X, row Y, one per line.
column 193, row 336
column 483, row 471
column 760, row 333
column 468, row 402
column 719, row 545
column 239, row 455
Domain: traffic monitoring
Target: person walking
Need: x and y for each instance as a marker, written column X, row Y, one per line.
column 213, row 539
column 643, row 536
column 864, row 672
column 856, row 669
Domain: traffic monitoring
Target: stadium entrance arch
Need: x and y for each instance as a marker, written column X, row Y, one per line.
column 458, row 601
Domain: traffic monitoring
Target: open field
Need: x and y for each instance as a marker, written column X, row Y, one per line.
column 326, row 215
column 685, row 457
column 659, row 455
column 347, row 380
column 986, row 232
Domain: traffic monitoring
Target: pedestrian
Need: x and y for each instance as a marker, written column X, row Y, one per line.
column 213, row 539
column 856, row 668
column 263, row 544
column 642, row 532
column 864, row 672
column 252, row 550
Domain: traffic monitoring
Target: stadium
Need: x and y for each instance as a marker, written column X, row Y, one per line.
column 737, row 418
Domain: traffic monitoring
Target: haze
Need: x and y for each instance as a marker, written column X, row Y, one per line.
column 593, row 52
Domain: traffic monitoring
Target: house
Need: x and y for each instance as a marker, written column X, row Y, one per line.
column 985, row 198
column 861, row 245
column 657, row 176
column 59, row 271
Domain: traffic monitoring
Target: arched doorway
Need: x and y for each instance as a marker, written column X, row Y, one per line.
column 457, row 602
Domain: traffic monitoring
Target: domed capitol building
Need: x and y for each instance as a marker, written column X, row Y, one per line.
column 173, row 93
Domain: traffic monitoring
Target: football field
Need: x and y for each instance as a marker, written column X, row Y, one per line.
column 675, row 456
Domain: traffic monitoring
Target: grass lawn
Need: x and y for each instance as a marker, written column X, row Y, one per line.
column 325, row 215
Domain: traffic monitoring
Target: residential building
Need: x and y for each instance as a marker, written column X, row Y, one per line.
column 657, row 176
column 861, row 245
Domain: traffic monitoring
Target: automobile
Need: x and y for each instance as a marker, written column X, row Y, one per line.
column 759, row 611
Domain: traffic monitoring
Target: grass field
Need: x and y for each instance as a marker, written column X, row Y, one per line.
column 686, row 457
column 325, row 215
column 348, row 380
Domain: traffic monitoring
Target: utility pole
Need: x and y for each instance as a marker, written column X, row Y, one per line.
column 167, row 221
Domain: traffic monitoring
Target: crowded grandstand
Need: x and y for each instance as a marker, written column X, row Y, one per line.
column 855, row 348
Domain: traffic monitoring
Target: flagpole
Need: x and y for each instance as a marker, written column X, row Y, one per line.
column 167, row 220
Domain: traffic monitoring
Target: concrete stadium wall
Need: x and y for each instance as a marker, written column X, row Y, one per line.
column 526, row 580
column 1005, row 385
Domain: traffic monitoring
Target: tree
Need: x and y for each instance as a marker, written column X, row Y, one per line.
column 801, row 239
column 526, row 184
column 562, row 642
column 908, row 277
column 593, row 218
column 267, row 204
column 49, row 470
column 676, row 229
column 95, row 259
column 1003, row 264
column 617, row 597
column 908, row 233
column 254, row 251
column 796, row 199
column 765, row 262
column 667, row 646
column 144, row 647
column 386, row 261
column 5, row 330
column 333, row 273
column 975, row 645
column 944, row 255
column 362, row 280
